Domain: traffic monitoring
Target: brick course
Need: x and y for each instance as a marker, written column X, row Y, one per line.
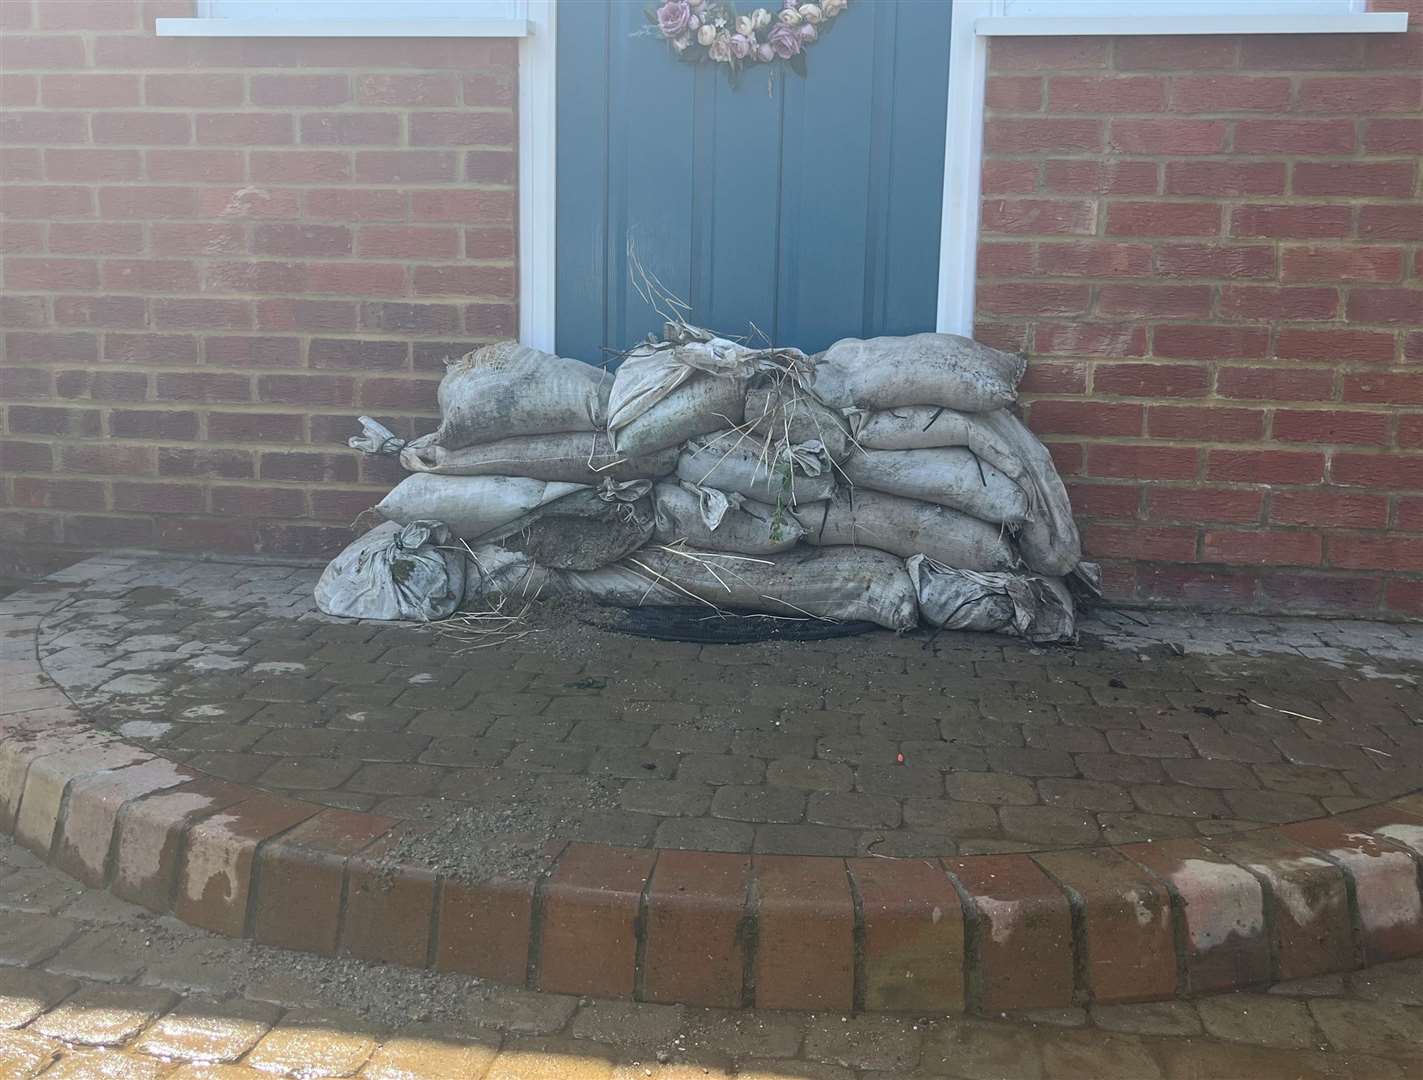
column 216, row 253
column 1209, row 246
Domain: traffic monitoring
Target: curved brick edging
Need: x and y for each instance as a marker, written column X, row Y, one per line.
column 1137, row 922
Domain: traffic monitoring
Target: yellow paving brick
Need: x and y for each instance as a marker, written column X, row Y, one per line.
column 103, row 1016
column 312, row 1043
column 24, row 1053
column 421, row 1051
column 552, row 1060
column 206, row 1030
column 107, row 1065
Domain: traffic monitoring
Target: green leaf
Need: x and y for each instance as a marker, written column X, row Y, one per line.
column 797, row 64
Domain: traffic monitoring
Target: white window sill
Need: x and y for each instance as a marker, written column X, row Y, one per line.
column 333, row 28
column 1374, row 22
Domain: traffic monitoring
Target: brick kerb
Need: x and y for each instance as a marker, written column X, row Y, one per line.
column 582, row 875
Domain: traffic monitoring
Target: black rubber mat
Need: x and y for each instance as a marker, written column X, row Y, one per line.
column 697, row 624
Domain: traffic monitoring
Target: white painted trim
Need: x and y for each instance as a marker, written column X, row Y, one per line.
column 336, row 28
column 963, row 162
column 1378, row 22
column 538, row 176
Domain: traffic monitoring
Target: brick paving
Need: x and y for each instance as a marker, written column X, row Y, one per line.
column 93, row 987
column 920, row 745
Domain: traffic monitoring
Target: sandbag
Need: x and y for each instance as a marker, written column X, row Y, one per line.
column 920, row 369
column 749, row 465
column 920, row 427
column 470, row 505
column 1034, row 607
column 717, row 521
column 907, row 527
column 843, row 583
column 950, row 476
column 664, row 393
column 575, row 457
column 395, row 572
column 585, row 530
column 1049, row 539
column 508, row 389
column 786, row 413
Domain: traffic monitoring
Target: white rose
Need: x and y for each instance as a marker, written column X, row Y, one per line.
column 790, row 17
column 811, row 13
column 706, row 35
column 831, row 8
column 745, row 25
column 760, row 18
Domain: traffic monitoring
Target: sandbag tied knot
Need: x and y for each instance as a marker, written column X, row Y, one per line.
column 376, row 438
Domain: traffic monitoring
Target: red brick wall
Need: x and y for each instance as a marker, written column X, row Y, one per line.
column 218, row 252
column 1211, row 248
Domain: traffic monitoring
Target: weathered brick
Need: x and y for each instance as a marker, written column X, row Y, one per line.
column 805, row 933
column 696, row 937
column 913, row 936
column 1023, row 929
column 590, row 906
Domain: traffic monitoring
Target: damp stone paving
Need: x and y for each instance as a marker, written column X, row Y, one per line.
column 1158, row 725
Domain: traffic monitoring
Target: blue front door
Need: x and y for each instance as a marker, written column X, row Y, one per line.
column 807, row 206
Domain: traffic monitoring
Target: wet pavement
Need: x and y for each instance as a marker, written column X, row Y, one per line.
column 1159, row 725
column 92, row 988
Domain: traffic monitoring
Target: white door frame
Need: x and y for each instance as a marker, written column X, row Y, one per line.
column 974, row 21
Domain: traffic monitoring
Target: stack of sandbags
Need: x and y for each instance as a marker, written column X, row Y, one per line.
column 942, row 471
column 709, row 472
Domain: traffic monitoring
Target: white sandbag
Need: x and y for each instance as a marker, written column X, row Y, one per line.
column 920, row 369
column 395, row 572
column 906, row 527
column 1048, row 540
column 575, row 457
column 585, row 530
column 690, row 384
column 921, row 427
column 470, row 505
column 748, row 465
column 843, row 583
column 1032, row 606
column 509, row 389
column 786, row 413
column 663, row 394
column 949, row 475
column 718, row 521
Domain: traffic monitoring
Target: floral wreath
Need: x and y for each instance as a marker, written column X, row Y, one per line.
column 700, row 32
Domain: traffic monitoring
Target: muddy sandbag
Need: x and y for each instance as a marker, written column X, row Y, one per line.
column 907, row 527
column 470, row 505
column 508, row 389
column 721, row 521
column 395, row 572
column 584, row 530
column 919, row 369
column 1049, row 539
column 665, row 393
column 575, row 457
column 767, row 472
column 948, row 475
column 1032, row 606
column 921, row 427
column 844, row 583
column 788, row 414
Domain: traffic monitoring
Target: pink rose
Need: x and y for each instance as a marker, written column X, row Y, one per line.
column 807, row 33
column 674, row 18
column 740, row 46
column 784, row 40
column 765, row 53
